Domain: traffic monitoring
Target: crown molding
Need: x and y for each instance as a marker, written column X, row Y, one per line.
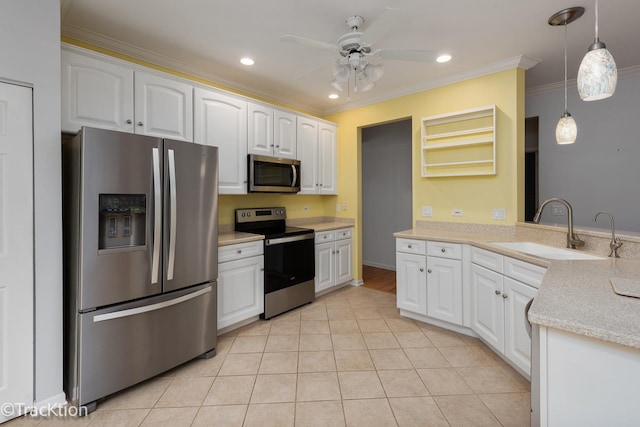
column 623, row 73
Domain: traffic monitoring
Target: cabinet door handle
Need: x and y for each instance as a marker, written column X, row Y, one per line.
column 139, row 123
column 498, row 292
column 277, row 146
column 443, row 250
column 421, row 269
column 429, row 271
column 505, row 296
column 262, row 269
column 129, row 121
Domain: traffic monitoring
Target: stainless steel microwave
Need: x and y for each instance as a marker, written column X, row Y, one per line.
column 273, row 175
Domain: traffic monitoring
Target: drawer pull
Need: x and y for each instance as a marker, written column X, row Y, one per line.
column 239, row 251
column 443, row 250
column 409, row 246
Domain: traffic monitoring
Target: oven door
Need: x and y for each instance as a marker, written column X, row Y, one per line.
column 273, row 175
column 288, row 261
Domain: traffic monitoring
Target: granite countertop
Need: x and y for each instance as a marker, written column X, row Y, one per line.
column 325, row 225
column 574, row 296
column 234, row 237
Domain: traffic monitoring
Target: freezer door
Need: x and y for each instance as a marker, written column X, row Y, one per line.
column 190, row 245
column 117, row 178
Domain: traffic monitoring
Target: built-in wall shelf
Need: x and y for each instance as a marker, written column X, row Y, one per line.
column 462, row 143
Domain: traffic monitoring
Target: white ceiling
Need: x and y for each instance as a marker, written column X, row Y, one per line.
column 207, row 38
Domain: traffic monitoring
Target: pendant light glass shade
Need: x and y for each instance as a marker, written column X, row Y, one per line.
column 566, row 130
column 598, row 74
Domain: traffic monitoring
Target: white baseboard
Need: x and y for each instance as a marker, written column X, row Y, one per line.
column 378, row 265
column 359, row 282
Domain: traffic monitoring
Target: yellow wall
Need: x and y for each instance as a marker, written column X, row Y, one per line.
column 477, row 196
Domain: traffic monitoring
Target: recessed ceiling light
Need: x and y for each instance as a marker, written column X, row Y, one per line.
column 334, row 96
column 247, row 61
column 444, row 58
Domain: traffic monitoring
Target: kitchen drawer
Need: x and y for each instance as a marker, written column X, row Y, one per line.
column 240, row 251
column 444, row 250
column 325, row 236
column 411, row 246
column 487, row 259
column 523, row 271
column 344, row 233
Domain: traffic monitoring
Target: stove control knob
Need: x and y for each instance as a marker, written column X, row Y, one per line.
column 248, row 214
column 243, row 214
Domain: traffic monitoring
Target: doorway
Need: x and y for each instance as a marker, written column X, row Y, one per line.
column 530, row 167
column 386, row 199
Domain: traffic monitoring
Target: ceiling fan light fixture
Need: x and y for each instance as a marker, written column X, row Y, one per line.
column 341, row 73
column 443, row 58
column 374, row 72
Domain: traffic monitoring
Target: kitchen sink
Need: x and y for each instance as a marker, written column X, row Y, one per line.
column 545, row 251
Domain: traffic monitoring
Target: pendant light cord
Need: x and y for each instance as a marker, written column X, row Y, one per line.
column 597, row 21
column 565, row 67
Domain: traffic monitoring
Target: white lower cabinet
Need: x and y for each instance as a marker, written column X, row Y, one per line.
column 334, row 258
column 427, row 284
column 240, row 283
column 499, row 302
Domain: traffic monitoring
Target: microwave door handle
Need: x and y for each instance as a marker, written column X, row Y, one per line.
column 157, row 218
column 173, row 214
column 295, row 175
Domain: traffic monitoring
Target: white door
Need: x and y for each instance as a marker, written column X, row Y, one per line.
column 260, row 129
column 240, row 290
column 487, row 313
column 411, row 282
column 163, row 107
column 444, row 289
column 95, row 93
column 344, row 253
column 16, row 247
column 307, row 153
column 325, row 266
column 284, row 134
column 221, row 121
column 517, row 345
column 327, row 165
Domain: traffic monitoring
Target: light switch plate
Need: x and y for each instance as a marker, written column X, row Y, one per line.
column 427, row 211
column 337, row 207
column 499, row 213
column 344, row 206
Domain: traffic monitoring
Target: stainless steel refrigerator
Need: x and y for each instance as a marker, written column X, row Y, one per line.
column 140, row 258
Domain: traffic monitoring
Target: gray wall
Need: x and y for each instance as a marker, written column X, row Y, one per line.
column 30, row 46
column 601, row 170
column 386, row 190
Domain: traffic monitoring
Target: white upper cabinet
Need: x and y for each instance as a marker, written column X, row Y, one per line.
column 260, row 130
column 317, row 150
column 95, row 93
column 221, row 121
column 163, row 107
column 284, row 134
column 271, row 132
column 328, row 159
column 105, row 94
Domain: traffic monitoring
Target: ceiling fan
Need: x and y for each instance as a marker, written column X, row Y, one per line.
column 356, row 51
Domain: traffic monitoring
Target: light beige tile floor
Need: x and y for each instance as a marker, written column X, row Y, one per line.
column 348, row 359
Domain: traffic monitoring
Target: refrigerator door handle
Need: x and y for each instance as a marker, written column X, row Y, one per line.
column 295, row 175
column 153, row 307
column 173, row 213
column 157, row 220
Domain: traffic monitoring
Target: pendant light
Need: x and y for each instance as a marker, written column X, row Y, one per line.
column 566, row 130
column 598, row 74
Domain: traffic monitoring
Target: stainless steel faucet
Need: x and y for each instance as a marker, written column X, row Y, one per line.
column 615, row 242
column 572, row 239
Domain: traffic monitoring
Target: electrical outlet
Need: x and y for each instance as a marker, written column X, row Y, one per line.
column 457, row 212
column 337, row 207
column 344, row 206
column 557, row 210
column 427, row 211
column 499, row 213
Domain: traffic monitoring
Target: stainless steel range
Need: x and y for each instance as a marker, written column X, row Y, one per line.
column 289, row 258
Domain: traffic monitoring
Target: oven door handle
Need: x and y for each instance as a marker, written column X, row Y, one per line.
column 280, row 240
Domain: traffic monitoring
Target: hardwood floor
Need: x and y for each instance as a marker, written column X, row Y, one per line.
column 379, row 279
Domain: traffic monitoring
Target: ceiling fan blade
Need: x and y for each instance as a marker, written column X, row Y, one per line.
column 379, row 27
column 408, row 54
column 309, row 42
